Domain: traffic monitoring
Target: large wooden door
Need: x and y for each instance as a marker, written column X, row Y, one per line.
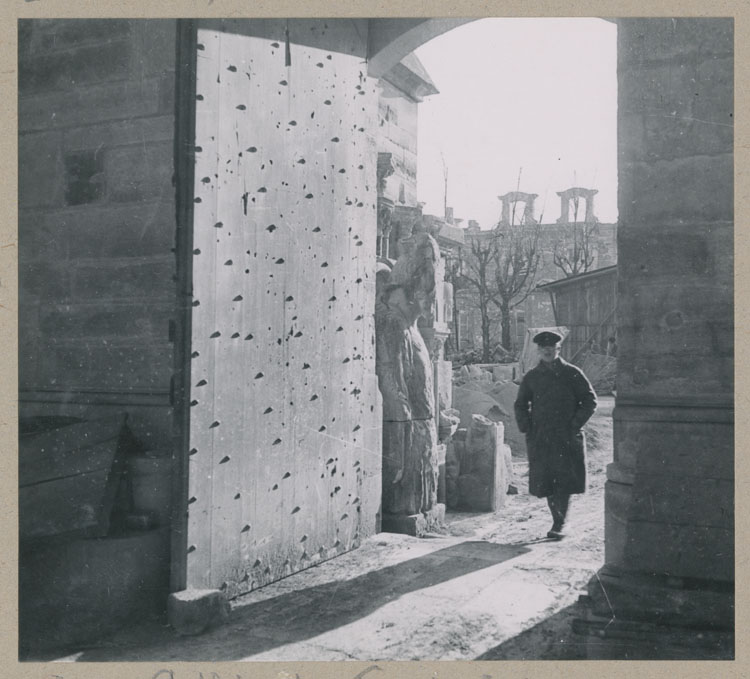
column 284, row 413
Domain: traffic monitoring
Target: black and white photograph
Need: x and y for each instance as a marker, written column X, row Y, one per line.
column 375, row 339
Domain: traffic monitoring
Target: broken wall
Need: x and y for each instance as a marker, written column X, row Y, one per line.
column 96, row 220
column 285, row 414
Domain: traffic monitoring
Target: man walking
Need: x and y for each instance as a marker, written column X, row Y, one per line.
column 554, row 401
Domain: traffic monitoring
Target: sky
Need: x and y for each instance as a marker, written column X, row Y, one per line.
column 530, row 98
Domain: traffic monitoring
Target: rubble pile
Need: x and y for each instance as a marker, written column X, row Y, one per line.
column 497, row 353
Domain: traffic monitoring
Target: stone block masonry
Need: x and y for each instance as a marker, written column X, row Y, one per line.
column 97, row 215
column 669, row 498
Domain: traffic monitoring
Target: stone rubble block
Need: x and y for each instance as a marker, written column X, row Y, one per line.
column 485, row 466
column 495, row 401
column 417, row 525
column 193, row 611
column 504, row 372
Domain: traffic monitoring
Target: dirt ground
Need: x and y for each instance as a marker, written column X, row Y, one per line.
column 552, row 638
column 488, row 587
column 526, row 519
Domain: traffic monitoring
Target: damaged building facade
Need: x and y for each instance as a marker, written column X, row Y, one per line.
column 198, row 248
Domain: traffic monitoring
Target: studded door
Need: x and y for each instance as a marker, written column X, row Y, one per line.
column 285, row 417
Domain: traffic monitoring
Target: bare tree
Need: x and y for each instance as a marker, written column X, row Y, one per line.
column 502, row 273
column 502, row 270
column 574, row 245
column 515, row 261
column 477, row 274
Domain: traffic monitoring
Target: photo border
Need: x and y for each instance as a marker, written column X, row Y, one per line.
column 15, row 9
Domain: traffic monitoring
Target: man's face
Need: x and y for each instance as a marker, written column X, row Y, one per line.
column 549, row 353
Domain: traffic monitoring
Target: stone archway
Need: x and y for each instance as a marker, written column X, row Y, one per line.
column 390, row 40
column 669, row 527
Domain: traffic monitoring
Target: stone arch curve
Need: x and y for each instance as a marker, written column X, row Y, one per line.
column 390, row 40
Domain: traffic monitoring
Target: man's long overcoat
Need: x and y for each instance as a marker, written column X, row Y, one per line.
column 554, row 401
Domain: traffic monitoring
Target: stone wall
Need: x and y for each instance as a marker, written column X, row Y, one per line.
column 97, row 219
column 397, row 135
column 670, row 490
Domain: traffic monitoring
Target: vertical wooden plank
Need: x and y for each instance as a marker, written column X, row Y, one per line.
column 203, row 378
column 252, row 491
column 180, row 386
column 227, row 236
column 275, row 506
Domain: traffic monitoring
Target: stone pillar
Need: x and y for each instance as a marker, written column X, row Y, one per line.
column 434, row 338
column 669, row 496
column 590, row 207
column 385, row 206
column 528, row 212
column 385, row 223
column 435, row 331
column 505, row 214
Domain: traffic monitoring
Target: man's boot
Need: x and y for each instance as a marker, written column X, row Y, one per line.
column 558, row 506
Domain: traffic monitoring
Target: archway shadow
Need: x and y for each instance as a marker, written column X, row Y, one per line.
column 565, row 635
column 551, row 639
column 302, row 614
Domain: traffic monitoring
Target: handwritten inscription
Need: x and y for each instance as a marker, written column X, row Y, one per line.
column 200, row 674
column 171, row 674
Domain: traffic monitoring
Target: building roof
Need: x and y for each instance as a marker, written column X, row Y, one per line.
column 411, row 77
column 417, row 67
column 452, row 233
column 605, row 270
column 449, row 234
